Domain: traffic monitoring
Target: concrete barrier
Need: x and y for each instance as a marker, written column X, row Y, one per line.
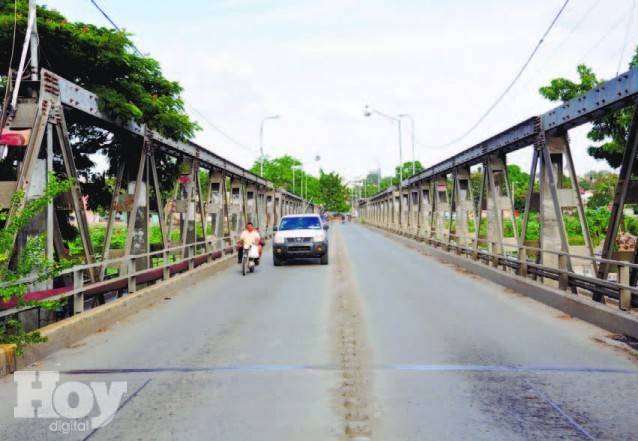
column 7, row 359
column 604, row 316
column 66, row 332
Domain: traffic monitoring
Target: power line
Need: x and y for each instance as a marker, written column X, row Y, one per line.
column 510, row 86
column 222, row 132
column 630, row 20
column 110, row 20
column 606, row 34
column 201, row 114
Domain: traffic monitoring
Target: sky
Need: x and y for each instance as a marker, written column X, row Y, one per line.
column 318, row 63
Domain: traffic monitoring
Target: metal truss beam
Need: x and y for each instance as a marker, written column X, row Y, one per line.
column 608, row 97
column 76, row 97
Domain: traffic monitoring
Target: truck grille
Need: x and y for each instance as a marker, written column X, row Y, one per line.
column 299, row 248
column 295, row 240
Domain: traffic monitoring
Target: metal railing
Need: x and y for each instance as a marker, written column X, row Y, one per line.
column 189, row 254
column 520, row 263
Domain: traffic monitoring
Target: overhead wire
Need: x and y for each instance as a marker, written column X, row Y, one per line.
column 510, row 85
column 579, row 23
column 222, row 132
column 630, row 20
column 110, row 20
column 533, row 77
column 622, row 17
column 200, row 113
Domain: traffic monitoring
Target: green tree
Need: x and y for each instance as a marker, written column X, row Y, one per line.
column 334, row 194
column 129, row 86
column 604, row 187
column 519, row 182
column 610, row 132
column 279, row 171
column 407, row 170
column 101, row 59
column 387, row 182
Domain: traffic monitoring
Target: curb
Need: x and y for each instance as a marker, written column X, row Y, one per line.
column 7, row 359
column 598, row 314
column 66, row 332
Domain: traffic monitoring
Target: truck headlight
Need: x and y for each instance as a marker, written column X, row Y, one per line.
column 319, row 237
column 279, row 240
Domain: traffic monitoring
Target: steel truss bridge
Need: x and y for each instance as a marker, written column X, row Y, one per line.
column 209, row 219
column 437, row 205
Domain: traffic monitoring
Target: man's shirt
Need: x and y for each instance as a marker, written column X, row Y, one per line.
column 250, row 238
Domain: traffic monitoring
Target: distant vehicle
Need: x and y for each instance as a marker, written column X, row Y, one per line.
column 325, row 221
column 300, row 236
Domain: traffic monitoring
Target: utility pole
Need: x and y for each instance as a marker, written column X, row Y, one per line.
column 34, row 42
column 405, row 115
column 367, row 112
column 400, row 158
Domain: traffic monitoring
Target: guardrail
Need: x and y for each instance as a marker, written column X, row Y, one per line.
column 188, row 256
column 520, row 263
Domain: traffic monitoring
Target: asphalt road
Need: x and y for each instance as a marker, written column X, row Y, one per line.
column 382, row 344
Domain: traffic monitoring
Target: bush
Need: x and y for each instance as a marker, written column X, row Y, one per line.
column 31, row 262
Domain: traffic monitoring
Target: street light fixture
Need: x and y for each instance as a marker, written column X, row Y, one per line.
column 261, row 141
column 367, row 112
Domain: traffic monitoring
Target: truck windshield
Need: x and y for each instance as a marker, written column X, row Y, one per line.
column 300, row 223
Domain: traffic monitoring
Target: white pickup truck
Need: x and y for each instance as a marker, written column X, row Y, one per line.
column 300, row 236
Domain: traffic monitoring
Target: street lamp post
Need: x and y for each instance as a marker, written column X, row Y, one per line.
column 405, row 115
column 368, row 111
column 294, row 168
column 261, row 141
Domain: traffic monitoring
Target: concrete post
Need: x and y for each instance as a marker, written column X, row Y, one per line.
column 425, row 221
column 464, row 205
column 625, row 293
column 236, row 207
column 499, row 203
column 187, row 204
column 569, row 201
column 140, row 243
column 251, row 204
column 270, row 209
column 405, row 226
column 414, row 204
column 215, row 203
column 441, row 208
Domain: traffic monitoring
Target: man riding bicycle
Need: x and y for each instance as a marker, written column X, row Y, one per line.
column 250, row 236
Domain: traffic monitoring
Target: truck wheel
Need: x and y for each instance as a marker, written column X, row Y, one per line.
column 324, row 259
column 277, row 260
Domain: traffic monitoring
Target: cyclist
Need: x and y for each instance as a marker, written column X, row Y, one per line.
column 250, row 236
